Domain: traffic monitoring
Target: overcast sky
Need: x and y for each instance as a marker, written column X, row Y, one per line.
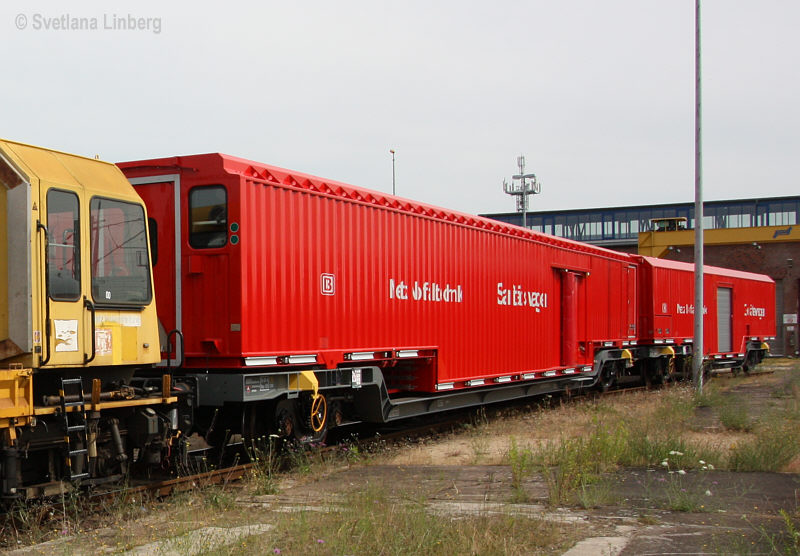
column 598, row 95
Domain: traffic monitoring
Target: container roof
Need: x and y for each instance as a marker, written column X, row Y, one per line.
column 707, row 269
column 259, row 172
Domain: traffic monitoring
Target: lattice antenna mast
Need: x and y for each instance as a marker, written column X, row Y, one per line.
column 521, row 186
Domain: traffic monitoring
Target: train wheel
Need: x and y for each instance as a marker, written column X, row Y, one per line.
column 335, row 414
column 658, row 372
column 750, row 360
column 286, row 419
column 254, row 421
column 608, row 376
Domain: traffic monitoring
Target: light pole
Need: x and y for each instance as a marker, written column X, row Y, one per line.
column 393, row 188
column 521, row 186
column 698, row 348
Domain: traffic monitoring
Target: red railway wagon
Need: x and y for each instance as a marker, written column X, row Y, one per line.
column 739, row 309
column 282, row 281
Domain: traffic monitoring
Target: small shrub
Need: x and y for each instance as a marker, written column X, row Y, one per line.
column 299, row 458
column 775, row 444
column 709, row 397
column 350, row 452
column 685, row 492
column 29, row 521
column 785, row 541
column 685, row 497
column 792, row 531
column 570, row 464
column 480, row 446
column 734, row 416
column 219, row 497
column 263, row 454
column 593, row 494
column 521, row 462
column 649, row 444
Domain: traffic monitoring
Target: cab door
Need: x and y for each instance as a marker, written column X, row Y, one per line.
column 67, row 318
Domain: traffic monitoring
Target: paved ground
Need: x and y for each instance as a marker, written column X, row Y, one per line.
column 738, row 506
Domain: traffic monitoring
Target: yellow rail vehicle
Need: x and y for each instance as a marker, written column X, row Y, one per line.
column 77, row 319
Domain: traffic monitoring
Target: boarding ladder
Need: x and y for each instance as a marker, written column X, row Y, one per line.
column 76, row 432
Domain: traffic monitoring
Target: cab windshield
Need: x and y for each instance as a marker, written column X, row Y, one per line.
column 120, row 265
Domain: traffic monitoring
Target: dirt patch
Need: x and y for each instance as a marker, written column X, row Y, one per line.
column 735, row 514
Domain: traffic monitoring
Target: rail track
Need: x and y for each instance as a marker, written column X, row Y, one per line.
column 361, row 435
column 230, row 467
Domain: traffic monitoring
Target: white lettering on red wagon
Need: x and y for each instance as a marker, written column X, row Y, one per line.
column 752, row 311
column 688, row 309
column 425, row 291
column 327, row 284
column 518, row 297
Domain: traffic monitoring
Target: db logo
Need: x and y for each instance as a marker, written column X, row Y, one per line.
column 327, row 284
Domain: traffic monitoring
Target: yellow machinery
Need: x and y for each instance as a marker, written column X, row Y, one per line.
column 77, row 312
column 75, row 269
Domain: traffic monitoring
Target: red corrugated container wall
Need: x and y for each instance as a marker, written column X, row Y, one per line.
column 667, row 305
column 327, row 273
column 386, row 267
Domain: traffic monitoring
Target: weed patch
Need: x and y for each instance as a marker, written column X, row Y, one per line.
column 733, row 415
column 774, row 445
column 521, row 462
column 595, row 493
column 264, row 456
column 372, row 522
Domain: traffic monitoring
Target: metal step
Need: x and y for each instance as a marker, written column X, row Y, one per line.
column 75, row 427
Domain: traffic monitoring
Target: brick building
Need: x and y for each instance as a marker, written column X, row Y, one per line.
column 754, row 235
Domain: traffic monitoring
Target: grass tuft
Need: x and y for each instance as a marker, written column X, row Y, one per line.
column 774, row 444
column 264, row 456
column 373, row 522
column 733, row 415
column 521, row 462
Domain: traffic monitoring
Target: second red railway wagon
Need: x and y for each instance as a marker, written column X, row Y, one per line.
column 274, row 269
column 739, row 309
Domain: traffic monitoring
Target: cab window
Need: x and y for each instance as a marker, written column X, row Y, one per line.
column 208, row 217
column 120, row 264
column 63, row 253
